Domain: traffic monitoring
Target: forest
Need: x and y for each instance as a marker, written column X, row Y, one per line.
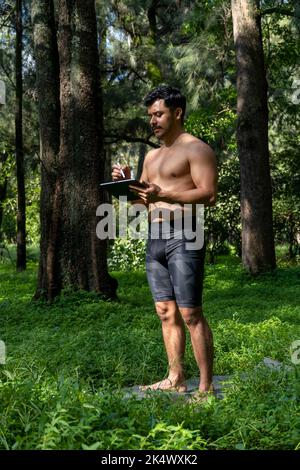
column 77, row 319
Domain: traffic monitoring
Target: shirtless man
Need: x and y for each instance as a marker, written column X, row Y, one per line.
column 182, row 171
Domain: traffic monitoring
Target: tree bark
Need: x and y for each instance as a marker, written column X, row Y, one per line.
column 21, row 211
column 47, row 82
column 151, row 13
column 142, row 154
column 3, row 188
column 83, row 256
column 258, row 251
column 72, row 148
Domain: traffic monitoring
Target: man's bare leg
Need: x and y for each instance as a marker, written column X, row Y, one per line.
column 202, row 342
column 173, row 330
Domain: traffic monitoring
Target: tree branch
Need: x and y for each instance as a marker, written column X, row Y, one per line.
column 8, row 75
column 127, row 138
column 5, row 23
column 138, row 75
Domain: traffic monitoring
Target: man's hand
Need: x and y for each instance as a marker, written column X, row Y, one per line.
column 149, row 194
column 116, row 173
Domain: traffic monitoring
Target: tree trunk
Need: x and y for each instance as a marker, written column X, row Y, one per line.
column 3, row 188
column 73, row 159
column 258, row 251
column 47, row 82
column 21, row 216
column 151, row 13
column 142, row 154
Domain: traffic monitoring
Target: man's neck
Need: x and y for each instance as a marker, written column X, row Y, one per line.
column 169, row 140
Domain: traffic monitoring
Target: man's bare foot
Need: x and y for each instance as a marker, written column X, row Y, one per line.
column 201, row 396
column 166, row 385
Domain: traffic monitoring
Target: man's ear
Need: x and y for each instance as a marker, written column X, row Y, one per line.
column 178, row 113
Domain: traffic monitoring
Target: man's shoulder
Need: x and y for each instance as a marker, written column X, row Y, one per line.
column 197, row 146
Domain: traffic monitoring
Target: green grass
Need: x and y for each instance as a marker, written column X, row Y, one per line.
column 61, row 386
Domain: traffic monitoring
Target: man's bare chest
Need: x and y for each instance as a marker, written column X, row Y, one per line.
column 167, row 165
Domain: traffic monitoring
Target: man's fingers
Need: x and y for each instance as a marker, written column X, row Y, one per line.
column 118, row 169
column 134, row 190
column 116, row 174
column 138, row 189
column 143, row 198
column 145, row 194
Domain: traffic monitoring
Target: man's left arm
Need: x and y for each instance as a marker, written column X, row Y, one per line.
column 203, row 170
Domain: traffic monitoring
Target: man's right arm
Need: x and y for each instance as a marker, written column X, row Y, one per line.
column 117, row 175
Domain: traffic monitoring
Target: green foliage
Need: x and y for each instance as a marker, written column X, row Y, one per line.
column 67, row 365
column 286, row 193
column 32, row 210
column 222, row 221
column 211, row 127
column 286, row 222
column 7, row 162
column 29, row 124
column 268, row 397
column 126, row 254
column 281, row 45
column 68, row 362
column 204, row 59
column 191, row 46
column 154, row 74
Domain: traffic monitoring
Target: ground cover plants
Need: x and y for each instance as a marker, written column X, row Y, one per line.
column 67, row 365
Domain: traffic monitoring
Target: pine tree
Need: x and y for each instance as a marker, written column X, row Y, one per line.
column 72, row 158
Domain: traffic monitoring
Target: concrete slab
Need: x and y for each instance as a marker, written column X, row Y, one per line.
column 220, row 383
column 275, row 365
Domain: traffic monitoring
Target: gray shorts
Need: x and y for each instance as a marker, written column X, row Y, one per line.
column 173, row 272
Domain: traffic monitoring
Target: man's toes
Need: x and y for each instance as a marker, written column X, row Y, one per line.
column 164, row 385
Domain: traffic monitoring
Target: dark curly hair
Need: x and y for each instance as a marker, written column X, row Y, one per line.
column 172, row 97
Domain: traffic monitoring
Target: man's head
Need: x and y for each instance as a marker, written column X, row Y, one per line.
column 166, row 108
column 172, row 97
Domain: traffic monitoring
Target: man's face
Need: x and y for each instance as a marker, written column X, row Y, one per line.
column 162, row 118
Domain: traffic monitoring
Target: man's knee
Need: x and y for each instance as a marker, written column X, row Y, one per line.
column 166, row 311
column 191, row 315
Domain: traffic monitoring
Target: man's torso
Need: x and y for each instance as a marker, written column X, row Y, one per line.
column 169, row 168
